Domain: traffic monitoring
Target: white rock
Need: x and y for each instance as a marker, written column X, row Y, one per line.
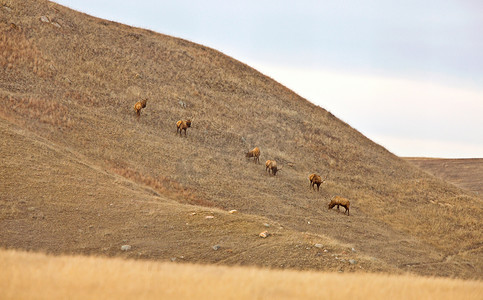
column 318, row 245
column 264, row 234
column 126, row 247
column 45, row 19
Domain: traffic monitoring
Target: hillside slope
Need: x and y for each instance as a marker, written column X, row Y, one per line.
column 69, row 82
column 466, row 173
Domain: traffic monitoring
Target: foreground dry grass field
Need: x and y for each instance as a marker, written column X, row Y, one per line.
column 81, row 174
column 37, row 276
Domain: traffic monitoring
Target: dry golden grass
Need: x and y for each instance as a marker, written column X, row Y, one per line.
column 44, row 110
column 81, row 173
column 465, row 173
column 19, row 52
column 37, row 276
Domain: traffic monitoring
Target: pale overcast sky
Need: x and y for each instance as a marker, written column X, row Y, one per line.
column 407, row 74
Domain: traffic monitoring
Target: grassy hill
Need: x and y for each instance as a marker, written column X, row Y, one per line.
column 466, row 173
column 82, row 174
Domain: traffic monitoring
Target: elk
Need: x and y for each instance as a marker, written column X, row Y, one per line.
column 337, row 200
column 140, row 105
column 316, row 180
column 267, row 166
column 182, row 125
column 271, row 166
column 255, row 153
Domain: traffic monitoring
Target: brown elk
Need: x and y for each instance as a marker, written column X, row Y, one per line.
column 316, row 180
column 337, row 200
column 182, row 125
column 255, row 153
column 271, row 166
column 267, row 166
column 140, row 105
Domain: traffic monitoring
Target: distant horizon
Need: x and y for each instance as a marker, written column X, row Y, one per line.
column 407, row 76
column 340, row 98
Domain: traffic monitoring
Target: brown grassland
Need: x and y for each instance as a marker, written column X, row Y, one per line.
column 466, row 173
column 81, row 174
column 37, row 276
